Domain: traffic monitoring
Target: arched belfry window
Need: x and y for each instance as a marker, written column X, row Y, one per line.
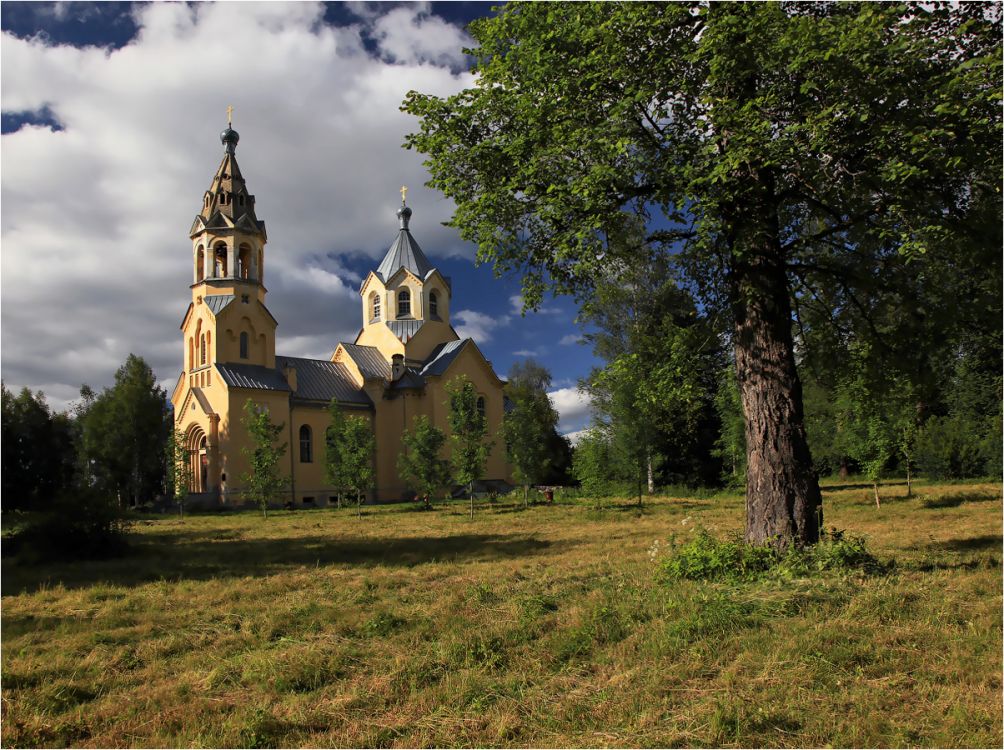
column 404, row 304
column 244, row 262
column 481, row 406
column 220, row 269
column 244, row 345
column 200, row 264
column 375, row 306
column 433, row 305
column 306, row 445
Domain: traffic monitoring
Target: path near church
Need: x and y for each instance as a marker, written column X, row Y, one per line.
column 541, row 627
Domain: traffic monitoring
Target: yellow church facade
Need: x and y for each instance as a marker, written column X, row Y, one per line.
column 397, row 367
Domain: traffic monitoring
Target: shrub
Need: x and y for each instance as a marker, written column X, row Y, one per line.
column 705, row 558
column 950, row 448
column 82, row 524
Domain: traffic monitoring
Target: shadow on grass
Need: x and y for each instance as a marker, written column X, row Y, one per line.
column 201, row 555
column 971, row 544
column 957, row 499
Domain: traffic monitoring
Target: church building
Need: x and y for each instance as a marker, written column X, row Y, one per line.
column 396, row 368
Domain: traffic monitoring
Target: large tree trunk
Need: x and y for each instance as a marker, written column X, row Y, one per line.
column 783, row 502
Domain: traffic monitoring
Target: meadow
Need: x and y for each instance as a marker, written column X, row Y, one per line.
column 547, row 626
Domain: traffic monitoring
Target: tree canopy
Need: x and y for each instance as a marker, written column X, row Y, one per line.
column 775, row 151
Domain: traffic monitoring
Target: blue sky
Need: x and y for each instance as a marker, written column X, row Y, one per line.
column 111, row 114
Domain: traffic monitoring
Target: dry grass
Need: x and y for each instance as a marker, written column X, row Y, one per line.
column 544, row 627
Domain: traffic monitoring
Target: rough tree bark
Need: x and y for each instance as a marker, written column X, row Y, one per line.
column 783, row 502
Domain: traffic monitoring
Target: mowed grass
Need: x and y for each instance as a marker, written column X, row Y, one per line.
column 543, row 627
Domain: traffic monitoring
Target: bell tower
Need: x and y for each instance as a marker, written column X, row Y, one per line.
column 227, row 320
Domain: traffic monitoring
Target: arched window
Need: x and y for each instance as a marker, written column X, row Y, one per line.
column 191, row 353
column 200, row 264
column 481, row 406
column 209, row 347
column 404, row 304
column 221, row 261
column 244, row 345
column 306, row 445
column 244, row 262
column 202, row 350
column 375, row 306
column 433, row 305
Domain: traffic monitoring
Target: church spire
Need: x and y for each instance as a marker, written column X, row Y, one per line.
column 405, row 252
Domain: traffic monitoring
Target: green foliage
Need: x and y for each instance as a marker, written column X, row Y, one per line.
column 705, row 558
column 80, row 523
column 264, row 481
column 38, row 450
column 124, row 434
column 591, row 464
column 468, row 434
column 952, row 448
column 784, row 151
column 530, row 427
column 179, row 467
column 730, row 446
column 420, row 462
column 357, row 445
column 334, row 470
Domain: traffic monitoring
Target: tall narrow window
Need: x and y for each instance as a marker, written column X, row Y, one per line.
column 481, row 406
column 306, row 445
column 433, row 305
column 191, row 353
column 209, row 347
column 202, row 350
column 244, row 345
column 376, row 306
column 404, row 304
column 200, row 264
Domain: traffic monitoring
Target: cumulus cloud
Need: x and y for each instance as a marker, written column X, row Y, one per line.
column 96, row 258
column 478, row 326
column 572, row 338
column 573, row 407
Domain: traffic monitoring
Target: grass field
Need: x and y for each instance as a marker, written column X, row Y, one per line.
column 543, row 627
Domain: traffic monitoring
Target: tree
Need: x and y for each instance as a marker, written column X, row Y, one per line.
column 730, row 446
column 357, row 444
column 767, row 145
column 591, row 463
column 528, row 428
column 124, row 433
column 333, row 463
column 420, row 462
column 468, row 434
column 38, row 450
column 264, row 482
column 179, row 468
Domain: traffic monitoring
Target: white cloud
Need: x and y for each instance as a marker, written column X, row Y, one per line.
column 575, row 437
column 478, row 326
column 516, row 305
column 96, row 259
column 572, row 338
column 526, row 353
column 573, row 407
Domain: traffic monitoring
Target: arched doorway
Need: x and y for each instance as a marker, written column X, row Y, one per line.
column 198, row 460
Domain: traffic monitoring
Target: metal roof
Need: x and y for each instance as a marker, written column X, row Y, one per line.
column 252, row 376
column 369, row 360
column 441, row 357
column 321, row 380
column 404, row 253
column 410, row 379
column 216, row 302
column 404, row 329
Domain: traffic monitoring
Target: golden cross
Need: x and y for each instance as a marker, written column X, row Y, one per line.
column 404, row 193
column 230, row 113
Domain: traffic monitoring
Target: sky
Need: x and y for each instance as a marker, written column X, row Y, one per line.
column 111, row 115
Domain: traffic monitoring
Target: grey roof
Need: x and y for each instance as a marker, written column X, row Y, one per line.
column 216, row 302
column 442, row 356
column 404, row 329
column 404, row 253
column 369, row 360
column 321, row 380
column 410, row 379
column 252, row 376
